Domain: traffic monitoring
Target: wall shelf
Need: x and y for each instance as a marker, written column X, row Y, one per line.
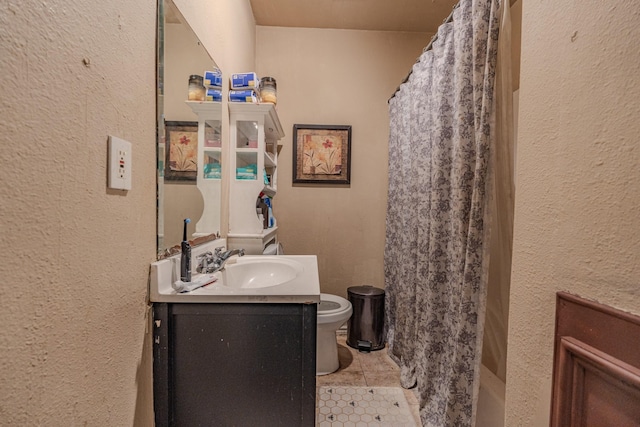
column 209, row 176
column 255, row 130
column 254, row 243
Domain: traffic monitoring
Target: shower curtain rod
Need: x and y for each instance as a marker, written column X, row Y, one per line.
column 428, row 47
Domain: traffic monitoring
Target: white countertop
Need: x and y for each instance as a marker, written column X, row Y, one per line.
column 304, row 288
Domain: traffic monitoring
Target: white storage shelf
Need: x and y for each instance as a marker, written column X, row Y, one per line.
column 209, row 177
column 254, row 131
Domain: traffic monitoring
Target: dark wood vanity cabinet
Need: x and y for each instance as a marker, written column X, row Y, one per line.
column 234, row 364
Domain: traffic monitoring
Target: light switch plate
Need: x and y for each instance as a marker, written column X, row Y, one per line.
column 119, row 164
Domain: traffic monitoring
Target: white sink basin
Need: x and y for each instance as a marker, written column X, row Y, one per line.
column 251, row 278
column 260, row 272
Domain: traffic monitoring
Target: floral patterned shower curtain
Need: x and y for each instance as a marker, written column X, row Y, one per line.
column 436, row 252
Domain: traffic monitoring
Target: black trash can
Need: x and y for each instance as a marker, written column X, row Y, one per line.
column 365, row 328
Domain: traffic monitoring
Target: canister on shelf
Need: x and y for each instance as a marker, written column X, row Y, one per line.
column 196, row 88
column 268, row 90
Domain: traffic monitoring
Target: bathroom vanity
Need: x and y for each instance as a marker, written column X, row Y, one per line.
column 241, row 351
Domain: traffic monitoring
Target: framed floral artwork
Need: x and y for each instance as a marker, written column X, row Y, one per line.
column 321, row 154
column 181, row 139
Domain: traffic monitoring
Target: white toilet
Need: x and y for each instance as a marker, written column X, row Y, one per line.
column 333, row 312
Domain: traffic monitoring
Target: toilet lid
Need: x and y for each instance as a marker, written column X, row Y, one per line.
column 328, row 305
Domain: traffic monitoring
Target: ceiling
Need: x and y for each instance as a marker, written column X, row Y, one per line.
column 376, row 15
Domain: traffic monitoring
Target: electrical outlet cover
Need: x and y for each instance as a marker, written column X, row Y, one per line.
column 119, row 167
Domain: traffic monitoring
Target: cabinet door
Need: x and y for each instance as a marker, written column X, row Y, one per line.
column 241, row 364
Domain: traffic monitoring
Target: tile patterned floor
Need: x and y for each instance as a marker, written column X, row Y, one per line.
column 374, row 369
column 353, row 406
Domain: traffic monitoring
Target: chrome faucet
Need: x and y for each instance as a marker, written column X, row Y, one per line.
column 209, row 263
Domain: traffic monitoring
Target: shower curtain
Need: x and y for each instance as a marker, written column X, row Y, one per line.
column 436, row 252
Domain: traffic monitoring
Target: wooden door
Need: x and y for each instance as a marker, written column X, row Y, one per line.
column 596, row 375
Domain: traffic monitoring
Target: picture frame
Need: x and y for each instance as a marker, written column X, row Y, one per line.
column 181, row 147
column 321, row 154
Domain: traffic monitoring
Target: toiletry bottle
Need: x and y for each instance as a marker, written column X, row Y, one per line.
column 185, row 257
column 272, row 221
column 260, row 204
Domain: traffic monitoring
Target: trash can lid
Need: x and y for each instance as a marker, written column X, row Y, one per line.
column 366, row 290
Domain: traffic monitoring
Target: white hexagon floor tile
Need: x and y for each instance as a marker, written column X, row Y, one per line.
column 347, row 406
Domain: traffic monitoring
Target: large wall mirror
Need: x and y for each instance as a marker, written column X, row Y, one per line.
column 180, row 55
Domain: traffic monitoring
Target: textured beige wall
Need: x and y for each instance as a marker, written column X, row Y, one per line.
column 75, row 255
column 337, row 77
column 577, row 226
column 74, row 349
column 227, row 30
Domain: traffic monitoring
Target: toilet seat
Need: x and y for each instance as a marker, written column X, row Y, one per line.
column 332, row 308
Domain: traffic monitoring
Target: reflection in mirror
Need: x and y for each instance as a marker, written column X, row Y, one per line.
column 183, row 173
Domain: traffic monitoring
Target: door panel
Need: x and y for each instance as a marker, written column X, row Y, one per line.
column 597, row 365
